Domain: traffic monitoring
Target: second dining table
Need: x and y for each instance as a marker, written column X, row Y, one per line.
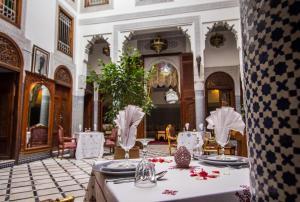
column 89, row 144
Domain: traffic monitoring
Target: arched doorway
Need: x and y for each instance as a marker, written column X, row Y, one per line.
column 164, row 92
column 63, row 101
column 11, row 70
column 219, row 87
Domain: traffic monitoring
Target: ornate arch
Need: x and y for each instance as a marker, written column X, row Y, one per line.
column 91, row 43
column 219, row 80
column 10, row 53
column 220, row 27
column 63, row 76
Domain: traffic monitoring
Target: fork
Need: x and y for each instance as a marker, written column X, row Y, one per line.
column 159, row 176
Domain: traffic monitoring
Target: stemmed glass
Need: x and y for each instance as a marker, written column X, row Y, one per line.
column 222, row 137
column 145, row 171
column 126, row 143
column 199, row 144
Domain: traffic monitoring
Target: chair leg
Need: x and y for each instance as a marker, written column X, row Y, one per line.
column 58, row 153
column 61, row 155
column 74, row 153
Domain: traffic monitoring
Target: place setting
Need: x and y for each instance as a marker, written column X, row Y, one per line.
column 222, row 121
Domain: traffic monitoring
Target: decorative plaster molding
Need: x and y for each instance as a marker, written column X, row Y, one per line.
column 184, row 22
column 147, row 2
column 161, row 12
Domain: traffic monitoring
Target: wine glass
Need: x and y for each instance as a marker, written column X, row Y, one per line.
column 127, row 141
column 145, row 170
column 222, row 137
column 199, row 144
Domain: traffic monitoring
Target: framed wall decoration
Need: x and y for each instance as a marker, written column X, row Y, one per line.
column 40, row 60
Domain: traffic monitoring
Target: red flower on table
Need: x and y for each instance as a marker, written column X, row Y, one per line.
column 160, row 160
column 170, row 192
column 203, row 174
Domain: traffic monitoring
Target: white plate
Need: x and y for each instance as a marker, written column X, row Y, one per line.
column 239, row 162
column 220, row 158
column 119, row 166
column 106, row 169
column 120, row 173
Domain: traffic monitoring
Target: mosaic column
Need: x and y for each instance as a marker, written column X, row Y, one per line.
column 271, row 57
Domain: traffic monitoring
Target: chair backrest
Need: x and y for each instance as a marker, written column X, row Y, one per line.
column 170, row 132
column 114, row 134
column 60, row 134
column 39, row 135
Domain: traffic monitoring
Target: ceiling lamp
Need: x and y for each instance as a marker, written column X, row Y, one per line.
column 158, row 44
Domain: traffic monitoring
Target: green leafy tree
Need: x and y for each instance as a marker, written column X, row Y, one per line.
column 124, row 83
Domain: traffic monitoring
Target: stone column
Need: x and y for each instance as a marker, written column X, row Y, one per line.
column 118, row 44
column 192, row 32
column 271, row 54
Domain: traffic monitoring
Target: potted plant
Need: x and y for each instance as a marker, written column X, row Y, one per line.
column 124, row 82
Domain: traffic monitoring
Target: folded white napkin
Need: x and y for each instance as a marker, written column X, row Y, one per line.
column 224, row 119
column 127, row 121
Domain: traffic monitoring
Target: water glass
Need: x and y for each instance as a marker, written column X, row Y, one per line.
column 145, row 175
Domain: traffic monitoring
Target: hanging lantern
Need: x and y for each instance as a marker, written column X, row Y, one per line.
column 158, row 44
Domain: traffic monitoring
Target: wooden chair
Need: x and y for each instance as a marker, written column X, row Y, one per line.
column 65, row 142
column 111, row 140
column 67, row 199
column 39, row 135
column 172, row 139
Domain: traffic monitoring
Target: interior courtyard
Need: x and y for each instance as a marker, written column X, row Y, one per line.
column 70, row 68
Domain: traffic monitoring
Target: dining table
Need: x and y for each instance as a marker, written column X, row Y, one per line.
column 199, row 182
column 90, row 144
column 189, row 139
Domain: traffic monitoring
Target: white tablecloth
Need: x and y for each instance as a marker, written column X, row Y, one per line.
column 230, row 184
column 188, row 139
column 89, row 144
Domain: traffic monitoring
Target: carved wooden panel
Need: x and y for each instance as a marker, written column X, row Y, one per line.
column 63, row 76
column 9, row 53
column 187, row 108
column 219, row 80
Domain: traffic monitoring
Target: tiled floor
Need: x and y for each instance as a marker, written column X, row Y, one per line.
column 52, row 178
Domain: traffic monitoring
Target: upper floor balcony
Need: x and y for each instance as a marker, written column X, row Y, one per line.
column 10, row 10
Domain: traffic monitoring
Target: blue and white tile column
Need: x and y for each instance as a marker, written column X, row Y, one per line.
column 271, row 54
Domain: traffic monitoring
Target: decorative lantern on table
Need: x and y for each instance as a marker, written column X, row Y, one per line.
column 182, row 157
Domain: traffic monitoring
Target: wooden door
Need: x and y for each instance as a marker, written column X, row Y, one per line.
column 62, row 111
column 8, row 105
column 187, row 101
column 88, row 115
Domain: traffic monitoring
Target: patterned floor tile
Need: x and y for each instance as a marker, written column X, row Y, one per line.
column 23, row 195
column 20, row 184
column 44, row 192
column 71, row 188
column 25, row 200
column 20, row 189
column 50, row 178
column 76, row 193
column 45, row 186
column 51, row 196
column 66, row 183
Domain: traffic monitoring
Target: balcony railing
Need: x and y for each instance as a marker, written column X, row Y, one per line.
column 65, row 33
column 96, row 2
column 8, row 10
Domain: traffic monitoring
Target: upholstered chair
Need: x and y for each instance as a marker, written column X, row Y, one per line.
column 111, row 140
column 65, row 142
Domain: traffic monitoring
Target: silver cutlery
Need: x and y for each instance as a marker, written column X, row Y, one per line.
column 159, row 176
